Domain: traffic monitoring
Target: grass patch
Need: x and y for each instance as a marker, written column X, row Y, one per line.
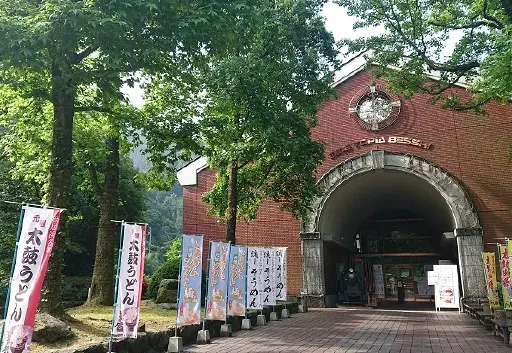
column 91, row 324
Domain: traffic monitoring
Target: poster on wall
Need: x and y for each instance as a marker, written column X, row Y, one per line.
column 269, row 280
column 281, row 268
column 505, row 276
column 190, row 288
column 217, row 281
column 129, row 289
column 254, row 285
column 378, row 279
column 33, row 250
column 237, row 280
column 490, row 279
column 447, row 288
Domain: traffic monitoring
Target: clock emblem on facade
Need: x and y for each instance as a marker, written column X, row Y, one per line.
column 374, row 109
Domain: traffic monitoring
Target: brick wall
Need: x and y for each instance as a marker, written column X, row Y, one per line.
column 474, row 149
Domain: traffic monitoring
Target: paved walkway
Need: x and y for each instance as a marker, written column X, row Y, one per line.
column 363, row 330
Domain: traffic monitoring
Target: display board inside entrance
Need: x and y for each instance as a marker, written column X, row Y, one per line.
column 447, row 287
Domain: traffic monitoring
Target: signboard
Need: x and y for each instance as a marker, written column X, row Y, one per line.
column 281, row 268
column 447, row 288
column 189, row 297
column 269, row 280
column 33, row 250
column 237, row 280
column 303, row 291
column 378, row 279
column 506, row 286
column 490, row 279
column 129, row 288
column 217, row 281
column 254, row 276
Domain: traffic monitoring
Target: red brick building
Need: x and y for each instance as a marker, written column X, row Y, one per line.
column 406, row 184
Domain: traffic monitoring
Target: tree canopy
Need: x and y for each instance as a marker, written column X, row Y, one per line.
column 415, row 40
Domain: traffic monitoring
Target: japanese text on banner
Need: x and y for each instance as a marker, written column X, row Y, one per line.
column 218, row 281
column 505, row 276
column 490, row 279
column 131, row 272
column 268, row 279
column 190, row 288
column 34, row 248
column 281, row 268
column 254, row 285
column 237, row 280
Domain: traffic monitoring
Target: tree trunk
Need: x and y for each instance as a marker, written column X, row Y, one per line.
column 232, row 210
column 102, row 286
column 63, row 99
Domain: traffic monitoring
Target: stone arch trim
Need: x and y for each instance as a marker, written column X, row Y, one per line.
column 463, row 211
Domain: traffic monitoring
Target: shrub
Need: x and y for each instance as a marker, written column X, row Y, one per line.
column 170, row 269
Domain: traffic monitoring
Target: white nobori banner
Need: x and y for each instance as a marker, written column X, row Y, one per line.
column 281, row 268
column 254, row 284
column 33, row 250
column 269, row 277
column 129, row 288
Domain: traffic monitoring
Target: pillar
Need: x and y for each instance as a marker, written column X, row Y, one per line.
column 313, row 268
column 470, row 247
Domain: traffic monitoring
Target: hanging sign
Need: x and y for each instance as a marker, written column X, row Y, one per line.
column 33, row 250
column 217, row 281
column 129, row 288
column 378, row 279
column 189, row 312
column 280, row 261
column 447, row 288
column 237, row 280
column 490, row 279
column 254, row 284
column 505, row 276
column 269, row 280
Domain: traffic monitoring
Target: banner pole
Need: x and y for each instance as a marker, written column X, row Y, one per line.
column 246, row 277
column 121, row 236
column 18, row 235
column 228, row 274
column 179, row 290
column 207, row 283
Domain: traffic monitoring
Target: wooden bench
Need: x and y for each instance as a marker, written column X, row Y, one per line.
column 502, row 331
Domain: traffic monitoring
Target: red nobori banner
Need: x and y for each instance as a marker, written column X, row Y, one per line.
column 129, row 288
column 33, row 251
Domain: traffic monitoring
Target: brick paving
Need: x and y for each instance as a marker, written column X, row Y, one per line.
column 363, row 330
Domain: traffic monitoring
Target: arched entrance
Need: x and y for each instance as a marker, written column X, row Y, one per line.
column 410, row 200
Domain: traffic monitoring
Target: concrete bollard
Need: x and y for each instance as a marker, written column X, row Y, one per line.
column 261, row 320
column 246, row 324
column 226, row 330
column 203, row 337
column 273, row 316
column 175, row 345
column 285, row 313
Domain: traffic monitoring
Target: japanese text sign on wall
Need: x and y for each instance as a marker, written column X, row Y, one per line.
column 490, row 279
column 281, row 268
column 237, row 280
column 217, row 281
column 190, row 288
column 33, row 250
column 254, row 285
column 268, row 277
column 129, row 289
column 505, row 276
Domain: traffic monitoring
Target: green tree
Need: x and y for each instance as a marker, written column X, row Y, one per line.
column 414, row 41
column 53, row 51
column 252, row 110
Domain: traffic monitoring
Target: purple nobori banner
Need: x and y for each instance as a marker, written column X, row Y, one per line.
column 280, row 273
column 237, row 280
column 254, row 284
column 269, row 277
column 190, row 286
column 217, row 281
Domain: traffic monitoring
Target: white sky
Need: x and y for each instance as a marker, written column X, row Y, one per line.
column 337, row 22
